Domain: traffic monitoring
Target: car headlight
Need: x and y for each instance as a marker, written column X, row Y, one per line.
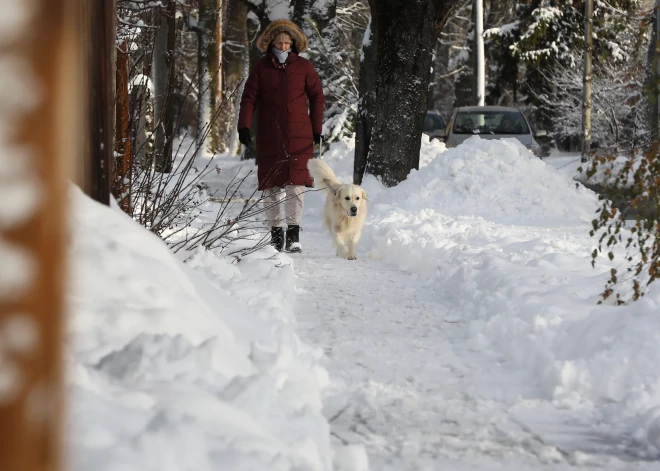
column 534, row 149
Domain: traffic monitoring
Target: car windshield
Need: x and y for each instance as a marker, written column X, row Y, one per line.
column 490, row 122
column 433, row 122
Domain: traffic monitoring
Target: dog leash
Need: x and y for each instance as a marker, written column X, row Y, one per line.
column 319, row 148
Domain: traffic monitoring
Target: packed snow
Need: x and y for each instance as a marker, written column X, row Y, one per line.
column 185, row 367
column 467, row 335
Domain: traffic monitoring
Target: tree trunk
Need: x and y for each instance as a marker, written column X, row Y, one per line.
column 367, row 105
column 300, row 8
column 450, row 83
column 254, row 29
column 233, row 141
column 324, row 50
column 235, row 57
column 503, row 75
column 654, row 73
column 587, row 81
column 34, row 231
column 402, row 82
column 215, row 64
column 163, row 74
column 651, row 83
column 207, row 63
column 323, row 13
column 121, row 186
column 465, row 81
column 142, row 117
column 139, row 105
column 441, row 88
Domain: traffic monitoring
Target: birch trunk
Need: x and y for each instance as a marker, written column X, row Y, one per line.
column 586, row 103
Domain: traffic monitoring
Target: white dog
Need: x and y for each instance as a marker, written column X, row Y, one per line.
column 345, row 208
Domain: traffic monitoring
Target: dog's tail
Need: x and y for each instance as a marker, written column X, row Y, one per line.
column 324, row 178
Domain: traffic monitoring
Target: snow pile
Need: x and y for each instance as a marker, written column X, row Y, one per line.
column 503, row 238
column 192, row 367
column 500, row 181
column 197, row 367
column 429, row 150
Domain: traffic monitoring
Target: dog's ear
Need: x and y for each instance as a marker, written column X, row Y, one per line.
column 364, row 195
column 336, row 195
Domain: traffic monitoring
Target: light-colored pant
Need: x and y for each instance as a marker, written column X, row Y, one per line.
column 293, row 205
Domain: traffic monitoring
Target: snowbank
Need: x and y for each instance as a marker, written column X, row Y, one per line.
column 499, row 181
column 191, row 367
column 503, row 237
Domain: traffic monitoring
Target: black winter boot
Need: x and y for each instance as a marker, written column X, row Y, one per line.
column 293, row 239
column 277, row 238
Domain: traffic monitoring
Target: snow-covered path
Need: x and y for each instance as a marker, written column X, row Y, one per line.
column 406, row 384
column 466, row 337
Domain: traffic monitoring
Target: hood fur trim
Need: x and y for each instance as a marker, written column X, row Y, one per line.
column 279, row 26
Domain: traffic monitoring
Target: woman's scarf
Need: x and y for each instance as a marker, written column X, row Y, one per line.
column 281, row 55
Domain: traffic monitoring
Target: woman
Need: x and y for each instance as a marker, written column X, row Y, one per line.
column 280, row 86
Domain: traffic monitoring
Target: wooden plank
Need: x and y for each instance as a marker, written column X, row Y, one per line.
column 33, row 229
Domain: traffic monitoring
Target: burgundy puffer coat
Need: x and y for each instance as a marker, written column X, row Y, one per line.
column 285, row 128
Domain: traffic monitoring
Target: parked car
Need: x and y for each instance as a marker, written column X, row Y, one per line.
column 492, row 122
column 434, row 126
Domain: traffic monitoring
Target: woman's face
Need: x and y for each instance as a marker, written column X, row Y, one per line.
column 282, row 46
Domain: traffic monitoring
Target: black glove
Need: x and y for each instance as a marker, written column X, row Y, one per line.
column 317, row 138
column 244, row 136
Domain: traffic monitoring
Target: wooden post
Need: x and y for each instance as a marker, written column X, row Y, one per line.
column 99, row 21
column 39, row 102
column 121, row 187
column 587, row 80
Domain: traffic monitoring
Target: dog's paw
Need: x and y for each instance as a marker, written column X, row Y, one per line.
column 352, row 257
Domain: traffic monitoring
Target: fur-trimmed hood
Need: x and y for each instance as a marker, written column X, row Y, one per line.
column 277, row 27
